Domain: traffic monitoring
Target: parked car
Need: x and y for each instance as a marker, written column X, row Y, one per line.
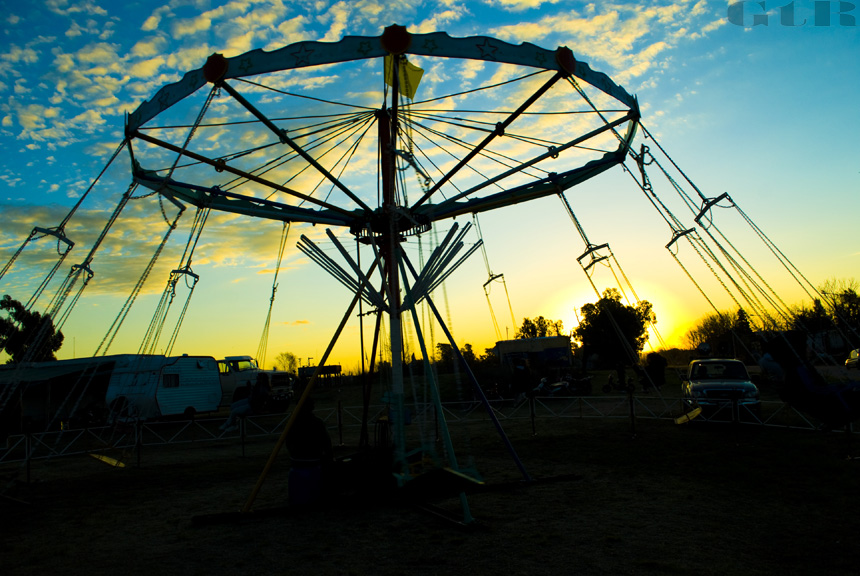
column 853, row 360
column 722, row 388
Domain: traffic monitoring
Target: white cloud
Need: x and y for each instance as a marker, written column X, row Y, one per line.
column 631, row 39
column 148, row 47
column 338, row 17
column 239, row 44
column 708, row 28
column 521, row 5
column 186, row 59
column 59, row 92
column 147, row 68
column 17, row 55
column 289, row 32
column 63, row 62
column 107, row 31
column 50, row 40
column 440, row 20
column 98, row 53
column 33, row 116
column 90, row 118
column 151, row 23
column 74, row 30
column 106, row 101
column 264, row 17
column 191, row 26
column 65, row 8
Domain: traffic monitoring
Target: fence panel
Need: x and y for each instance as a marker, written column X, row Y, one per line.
column 339, row 419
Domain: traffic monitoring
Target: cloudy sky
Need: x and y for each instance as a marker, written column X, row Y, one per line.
column 758, row 103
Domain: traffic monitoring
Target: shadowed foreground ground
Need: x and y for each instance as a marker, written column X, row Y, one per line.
column 699, row 499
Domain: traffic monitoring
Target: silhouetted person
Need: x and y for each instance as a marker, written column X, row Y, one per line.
column 311, row 456
column 655, row 368
column 255, row 403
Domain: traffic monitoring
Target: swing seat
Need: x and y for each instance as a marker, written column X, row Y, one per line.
column 689, row 416
column 108, row 460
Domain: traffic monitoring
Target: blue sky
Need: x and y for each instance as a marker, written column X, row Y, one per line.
column 766, row 113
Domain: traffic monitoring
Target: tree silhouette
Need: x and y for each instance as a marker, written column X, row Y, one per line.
column 614, row 331
column 27, row 335
column 728, row 334
column 711, row 329
column 468, row 354
column 287, row 362
column 540, row 327
column 843, row 296
column 445, row 356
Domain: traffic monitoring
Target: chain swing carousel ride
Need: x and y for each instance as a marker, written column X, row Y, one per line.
column 356, row 138
column 545, row 123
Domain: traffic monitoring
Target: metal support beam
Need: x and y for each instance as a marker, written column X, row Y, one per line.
column 282, row 135
column 499, row 131
column 223, row 166
column 548, row 154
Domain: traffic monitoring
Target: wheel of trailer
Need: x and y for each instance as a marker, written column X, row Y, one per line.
column 189, row 413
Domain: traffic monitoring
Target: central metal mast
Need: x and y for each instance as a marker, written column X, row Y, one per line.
column 388, row 127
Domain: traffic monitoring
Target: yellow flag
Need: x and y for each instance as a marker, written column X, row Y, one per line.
column 409, row 76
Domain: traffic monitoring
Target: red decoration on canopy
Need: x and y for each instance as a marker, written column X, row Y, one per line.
column 396, row 39
column 215, row 68
column 565, row 59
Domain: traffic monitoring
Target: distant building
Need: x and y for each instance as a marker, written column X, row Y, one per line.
column 330, row 375
column 541, row 355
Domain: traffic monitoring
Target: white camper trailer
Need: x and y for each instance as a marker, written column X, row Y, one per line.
column 149, row 387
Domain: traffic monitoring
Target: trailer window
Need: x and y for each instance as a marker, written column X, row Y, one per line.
column 171, row 381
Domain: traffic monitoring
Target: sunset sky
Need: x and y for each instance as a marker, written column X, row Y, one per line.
column 767, row 113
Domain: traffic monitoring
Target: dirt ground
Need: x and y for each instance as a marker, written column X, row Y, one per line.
column 694, row 499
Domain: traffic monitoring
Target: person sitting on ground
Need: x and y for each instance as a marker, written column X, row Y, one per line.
column 255, row 403
column 311, row 456
column 308, row 439
column 655, row 369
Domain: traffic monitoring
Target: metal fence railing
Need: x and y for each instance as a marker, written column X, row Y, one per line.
column 127, row 440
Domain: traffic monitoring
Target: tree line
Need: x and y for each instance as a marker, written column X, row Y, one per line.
column 831, row 322
column 609, row 331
